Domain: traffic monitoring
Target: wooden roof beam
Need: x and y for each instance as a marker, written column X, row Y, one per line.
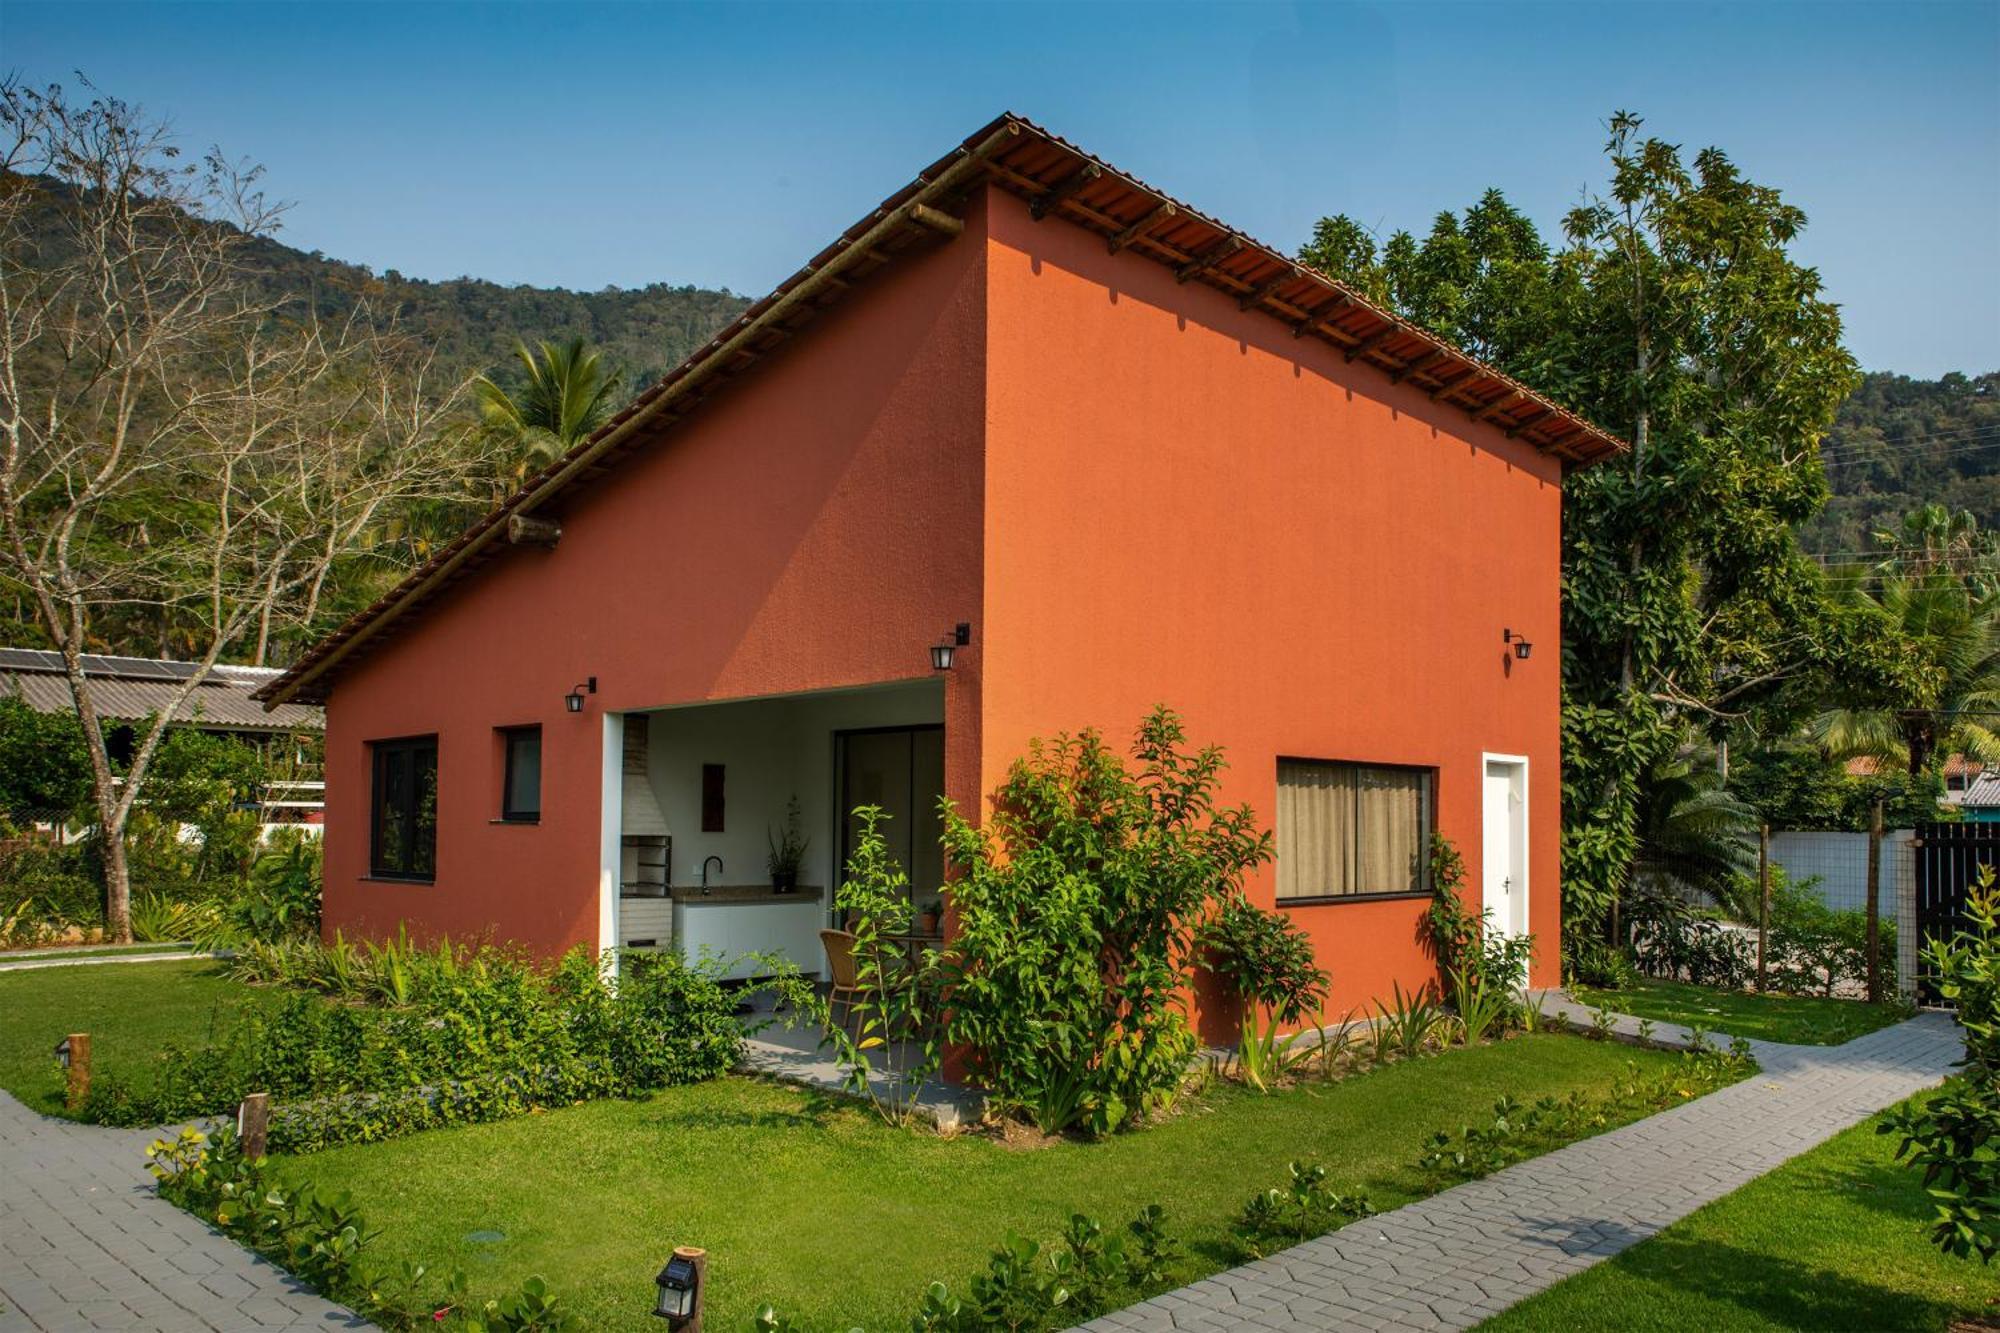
column 1124, row 237
column 1447, row 386
column 1374, row 340
column 1257, row 293
column 936, row 219
column 1424, row 362
column 1052, row 198
column 1315, row 318
column 1536, row 419
column 1497, row 406
column 1208, row 258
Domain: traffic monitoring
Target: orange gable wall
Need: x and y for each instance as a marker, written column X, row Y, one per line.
column 1187, row 505
column 817, row 525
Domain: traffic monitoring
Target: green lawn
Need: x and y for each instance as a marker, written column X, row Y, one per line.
column 130, row 1010
column 1800, row 1019
column 1833, row 1240
column 809, row 1202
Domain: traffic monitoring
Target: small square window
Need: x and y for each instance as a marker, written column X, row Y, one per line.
column 521, row 788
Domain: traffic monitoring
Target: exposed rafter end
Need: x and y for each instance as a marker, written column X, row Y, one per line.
column 1208, row 258
column 1256, row 295
column 1123, row 238
column 1374, row 340
column 1047, row 204
column 1422, row 363
column 936, row 219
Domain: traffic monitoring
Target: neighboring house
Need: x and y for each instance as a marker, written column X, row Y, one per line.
column 1981, row 802
column 1110, row 452
column 129, row 690
column 1959, row 774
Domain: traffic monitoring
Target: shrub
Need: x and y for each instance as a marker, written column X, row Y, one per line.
column 481, row 1037
column 1482, row 969
column 1268, row 964
column 1814, row 948
column 1077, row 906
column 1674, row 940
column 894, row 1017
column 1304, row 1207
column 1954, row 1136
column 1030, row 1288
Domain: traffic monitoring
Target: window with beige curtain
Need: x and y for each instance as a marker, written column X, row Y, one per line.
column 1351, row 829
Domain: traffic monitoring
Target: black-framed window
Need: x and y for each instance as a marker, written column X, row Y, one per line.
column 521, row 785
column 402, row 832
column 1352, row 830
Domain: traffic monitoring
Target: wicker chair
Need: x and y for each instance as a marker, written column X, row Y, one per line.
column 839, row 946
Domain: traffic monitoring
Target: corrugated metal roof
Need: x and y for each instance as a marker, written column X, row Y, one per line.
column 134, row 688
column 1058, row 180
column 1983, row 792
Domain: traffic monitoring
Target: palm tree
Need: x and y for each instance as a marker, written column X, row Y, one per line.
column 564, row 395
column 1939, row 628
column 1692, row 829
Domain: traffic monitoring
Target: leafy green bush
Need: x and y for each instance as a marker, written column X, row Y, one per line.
column 1675, row 940
column 1269, row 966
column 1032, row 1288
column 481, row 1038
column 1077, row 906
column 1483, row 970
column 1304, row 1207
column 1954, row 1136
column 283, row 894
column 44, row 767
column 323, row 1242
column 1812, row 948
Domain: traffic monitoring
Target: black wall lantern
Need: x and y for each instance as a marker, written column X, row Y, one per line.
column 679, row 1301
column 943, row 650
column 1522, row 648
column 62, row 1052
column 574, row 699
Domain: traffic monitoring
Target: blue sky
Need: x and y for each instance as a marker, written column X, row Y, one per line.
column 589, row 144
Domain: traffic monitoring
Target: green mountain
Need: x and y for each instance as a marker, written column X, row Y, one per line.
column 1899, row 443
column 474, row 324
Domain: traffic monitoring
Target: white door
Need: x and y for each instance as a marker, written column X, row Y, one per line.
column 1504, row 848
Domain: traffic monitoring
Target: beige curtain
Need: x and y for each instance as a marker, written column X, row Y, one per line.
column 1390, row 819
column 1315, row 830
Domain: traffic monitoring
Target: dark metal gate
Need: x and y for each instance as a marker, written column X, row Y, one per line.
column 1947, row 861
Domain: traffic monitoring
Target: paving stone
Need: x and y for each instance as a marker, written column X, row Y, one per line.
column 86, row 1244
column 1453, row 1260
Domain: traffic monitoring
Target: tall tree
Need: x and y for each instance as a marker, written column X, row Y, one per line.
column 1676, row 311
column 171, row 439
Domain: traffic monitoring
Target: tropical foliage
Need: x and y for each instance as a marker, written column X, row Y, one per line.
column 1078, row 904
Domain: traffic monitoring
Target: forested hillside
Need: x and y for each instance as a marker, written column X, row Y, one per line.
column 1899, row 443
column 474, row 324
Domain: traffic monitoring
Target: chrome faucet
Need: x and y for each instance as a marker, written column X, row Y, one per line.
column 704, row 871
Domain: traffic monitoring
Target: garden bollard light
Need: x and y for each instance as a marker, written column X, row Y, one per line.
column 253, row 1121
column 74, row 1052
column 680, row 1283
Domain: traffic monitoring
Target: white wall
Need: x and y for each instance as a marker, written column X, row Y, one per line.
column 771, row 749
column 1840, row 861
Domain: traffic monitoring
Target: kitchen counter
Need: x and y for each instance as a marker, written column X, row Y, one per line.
column 738, row 895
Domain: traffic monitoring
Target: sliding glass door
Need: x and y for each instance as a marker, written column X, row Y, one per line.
column 901, row 770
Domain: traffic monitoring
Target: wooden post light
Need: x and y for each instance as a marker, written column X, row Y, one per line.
column 682, row 1285
column 253, row 1124
column 74, row 1053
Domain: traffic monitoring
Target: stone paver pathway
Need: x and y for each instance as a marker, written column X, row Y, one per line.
column 1458, row 1257
column 86, row 1244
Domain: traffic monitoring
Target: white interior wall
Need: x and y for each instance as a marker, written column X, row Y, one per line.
column 771, row 749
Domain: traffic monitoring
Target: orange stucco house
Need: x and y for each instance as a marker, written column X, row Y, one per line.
column 1109, row 450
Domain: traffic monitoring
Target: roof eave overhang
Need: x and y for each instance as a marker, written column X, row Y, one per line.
column 1057, row 179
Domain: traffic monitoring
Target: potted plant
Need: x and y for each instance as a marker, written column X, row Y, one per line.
column 788, row 849
column 927, row 916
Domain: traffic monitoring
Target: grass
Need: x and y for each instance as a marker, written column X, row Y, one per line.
column 809, row 1202
column 131, row 1011
column 1835, row 1239
column 1804, row 1020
